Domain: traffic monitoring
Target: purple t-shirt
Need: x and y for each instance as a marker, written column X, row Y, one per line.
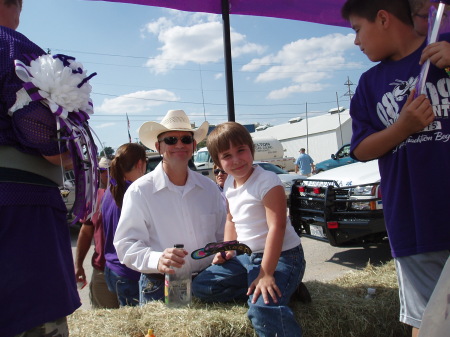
column 414, row 183
column 111, row 215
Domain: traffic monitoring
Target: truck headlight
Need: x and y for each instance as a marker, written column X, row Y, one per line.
column 368, row 190
column 366, row 198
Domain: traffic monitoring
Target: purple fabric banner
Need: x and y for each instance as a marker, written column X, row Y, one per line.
column 319, row 11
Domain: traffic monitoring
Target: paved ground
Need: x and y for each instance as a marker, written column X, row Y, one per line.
column 323, row 262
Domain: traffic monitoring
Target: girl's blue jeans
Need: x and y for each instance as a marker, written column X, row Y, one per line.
column 127, row 290
column 229, row 281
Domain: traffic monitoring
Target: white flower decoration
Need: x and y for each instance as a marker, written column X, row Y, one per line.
column 60, row 81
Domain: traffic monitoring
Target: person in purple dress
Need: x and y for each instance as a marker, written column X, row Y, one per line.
column 37, row 285
column 128, row 165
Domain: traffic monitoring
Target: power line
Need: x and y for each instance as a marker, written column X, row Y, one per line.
column 208, row 103
column 338, row 66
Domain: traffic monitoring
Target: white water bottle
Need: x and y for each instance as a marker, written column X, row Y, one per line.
column 177, row 287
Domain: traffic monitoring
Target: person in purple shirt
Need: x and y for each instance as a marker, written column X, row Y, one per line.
column 410, row 136
column 128, row 165
column 99, row 294
column 37, row 285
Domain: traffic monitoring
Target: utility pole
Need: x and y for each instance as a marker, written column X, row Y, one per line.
column 307, row 130
column 349, row 92
column 339, row 116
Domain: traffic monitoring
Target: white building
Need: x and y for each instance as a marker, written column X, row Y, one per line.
column 320, row 136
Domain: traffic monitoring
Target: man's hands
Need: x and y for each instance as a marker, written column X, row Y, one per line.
column 171, row 257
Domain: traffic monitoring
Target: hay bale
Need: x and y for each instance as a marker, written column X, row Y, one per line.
column 338, row 309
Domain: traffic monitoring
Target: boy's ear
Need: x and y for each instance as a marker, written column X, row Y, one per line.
column 383, row 17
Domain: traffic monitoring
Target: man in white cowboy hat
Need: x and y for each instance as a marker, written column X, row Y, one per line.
column 170, row 205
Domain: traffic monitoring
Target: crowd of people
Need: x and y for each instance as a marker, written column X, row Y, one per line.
column 139, row 217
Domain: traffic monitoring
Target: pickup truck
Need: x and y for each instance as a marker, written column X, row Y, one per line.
column 342, row 206
column 340, row 158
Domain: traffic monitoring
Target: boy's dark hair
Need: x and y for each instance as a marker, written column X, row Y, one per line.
column 368, row 9
column 223, row 135
column 13, row 2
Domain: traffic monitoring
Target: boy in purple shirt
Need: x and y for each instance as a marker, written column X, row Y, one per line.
column 410, row 137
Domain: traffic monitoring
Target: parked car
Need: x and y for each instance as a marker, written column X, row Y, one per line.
column 286, row 177
column 342, row 206
column 341, row 157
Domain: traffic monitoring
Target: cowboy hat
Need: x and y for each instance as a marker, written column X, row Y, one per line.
column 175, row 120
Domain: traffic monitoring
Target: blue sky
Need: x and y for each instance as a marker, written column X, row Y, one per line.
column 150, row 60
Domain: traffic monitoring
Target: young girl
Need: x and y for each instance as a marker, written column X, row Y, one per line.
column 128, row 165
column 256, row 217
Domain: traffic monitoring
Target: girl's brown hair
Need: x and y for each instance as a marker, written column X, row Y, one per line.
column 127, row 156
column 223, row 135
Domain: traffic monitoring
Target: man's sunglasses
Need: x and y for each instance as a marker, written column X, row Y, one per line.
column 217, row 171
column 173, row 140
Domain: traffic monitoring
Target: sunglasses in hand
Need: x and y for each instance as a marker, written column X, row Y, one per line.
column 173, row 140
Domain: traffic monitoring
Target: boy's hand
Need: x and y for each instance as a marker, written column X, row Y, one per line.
column 438, row 53
column 265, row 285
column 416, row 114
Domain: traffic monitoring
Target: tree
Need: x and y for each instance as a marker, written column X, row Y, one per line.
column 107, row 152
column 201, row 144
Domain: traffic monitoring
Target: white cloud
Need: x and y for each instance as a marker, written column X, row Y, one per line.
column 155, row 26
column 105, row 125
column 218, row 76
column 304, row 63
column 293, row 89
column 136, row 102
column 199, row 39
